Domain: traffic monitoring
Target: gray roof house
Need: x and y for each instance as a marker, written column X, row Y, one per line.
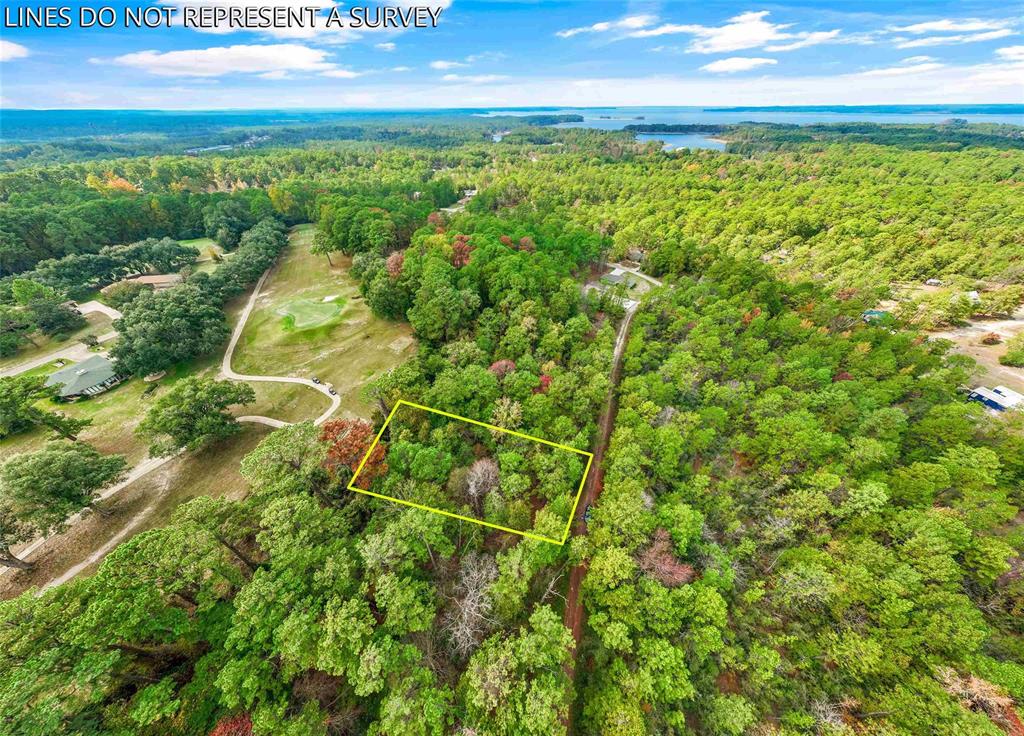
column 92, row 376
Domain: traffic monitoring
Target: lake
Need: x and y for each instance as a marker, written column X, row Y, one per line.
column 675, row 141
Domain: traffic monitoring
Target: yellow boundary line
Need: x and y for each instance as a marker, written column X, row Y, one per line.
column 529, row 535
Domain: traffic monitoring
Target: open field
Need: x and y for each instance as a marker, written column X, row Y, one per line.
column 347, row 349
column 209, row 251
column 303, row 314
column 98, row 324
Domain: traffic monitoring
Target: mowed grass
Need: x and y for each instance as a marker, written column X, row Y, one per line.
column 209, row 251
column 301, row 314
column 347, row 350
column 114, row 414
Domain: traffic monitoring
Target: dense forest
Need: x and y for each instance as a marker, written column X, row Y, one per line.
column 803, row 526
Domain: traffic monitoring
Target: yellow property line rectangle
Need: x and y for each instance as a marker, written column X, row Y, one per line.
column 529, row 535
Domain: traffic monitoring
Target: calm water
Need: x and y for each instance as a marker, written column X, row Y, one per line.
column 673, row 141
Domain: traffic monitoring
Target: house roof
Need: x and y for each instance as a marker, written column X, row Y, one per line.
column 74, row 379
column 162, row 279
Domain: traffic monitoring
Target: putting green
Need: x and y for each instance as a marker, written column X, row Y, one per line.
column 302, row 314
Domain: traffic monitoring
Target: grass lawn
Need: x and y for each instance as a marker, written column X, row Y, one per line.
column 97, row 324
column 302, row 314
column 208, row 253
column 294, row 331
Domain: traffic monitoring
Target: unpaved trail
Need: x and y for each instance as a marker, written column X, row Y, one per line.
column 145, row 467
column 100, row 553
column 574, row 611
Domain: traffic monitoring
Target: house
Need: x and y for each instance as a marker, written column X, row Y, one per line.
column 618, row 276
column 157, row 282
column 873, row 315
column 92, row 376
column 999, row 398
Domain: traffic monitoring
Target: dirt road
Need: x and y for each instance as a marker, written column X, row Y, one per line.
column 574, row 611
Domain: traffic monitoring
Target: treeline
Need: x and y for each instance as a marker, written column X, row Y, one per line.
column 953, row 135
column 43, row 235
column 161, row 329
column 78, row 274
column 377, row 221
column 40, row 138
column 78, row 209
column 678, row 128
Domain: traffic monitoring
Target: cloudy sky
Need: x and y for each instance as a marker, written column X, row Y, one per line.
column 557, row 52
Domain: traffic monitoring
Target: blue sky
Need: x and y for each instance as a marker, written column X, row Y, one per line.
column 493, row 54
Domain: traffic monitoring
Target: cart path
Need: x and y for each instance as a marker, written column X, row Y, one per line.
column 101, row 552
column 227, row 372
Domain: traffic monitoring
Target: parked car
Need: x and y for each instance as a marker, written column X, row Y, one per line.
column 316, row 380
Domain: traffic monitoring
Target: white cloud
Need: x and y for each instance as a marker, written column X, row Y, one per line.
column 736, row 64
column 744, row 31
column 953, row 25
column 903, row 43
column 220, row 60
column 1011, row 53
column 10, row 51
column 401, row 68
column 341, row 74
column 809, row 39
column 274, row 75
column 913, row 65
column 485, row 56
column 473, row 78
column 629, row 23
column 441, row 64
column 388, row 46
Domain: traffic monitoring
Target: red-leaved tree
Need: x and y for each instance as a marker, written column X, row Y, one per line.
column 349, row 440
column 461, row 251
column 502, row 368
column 394, row 264
column 240, row 725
